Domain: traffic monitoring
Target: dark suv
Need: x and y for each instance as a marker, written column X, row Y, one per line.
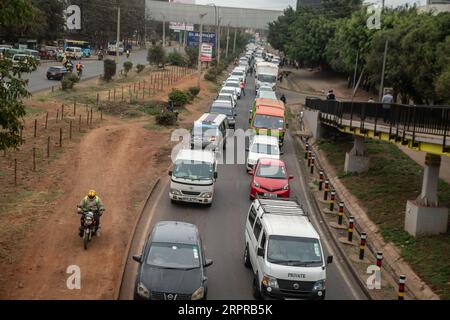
column 172, row 264
column 56, row 72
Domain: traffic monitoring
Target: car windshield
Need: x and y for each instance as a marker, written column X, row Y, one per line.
column 173, row 255
column 223, row 97
column 294, row 251
column 222, row 110
column 238, row 73
column 228, row 91
column 270, row 149
column 270, row 171
column 267, row 95
column 267, row 78
column 233, row 84
column 268, row 122
column 265, row 89
column 55, row 69
column 193, row 170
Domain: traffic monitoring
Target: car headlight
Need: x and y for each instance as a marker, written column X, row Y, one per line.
column 206, row 195
column 256, row 184
column 269, row 281
column 198, row 294
column 319, row 285
column 143, row 291
column 286, row 187
column 175, row 191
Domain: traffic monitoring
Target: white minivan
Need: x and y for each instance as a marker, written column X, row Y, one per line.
column 284, row 251
column 193, row 176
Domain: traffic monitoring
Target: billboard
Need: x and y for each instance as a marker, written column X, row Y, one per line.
column 181, row 25
column 206, row 52
column 193, row 38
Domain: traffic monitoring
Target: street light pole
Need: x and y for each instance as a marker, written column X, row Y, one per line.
column 218, row 45
column 382, row 71
column 228, row 39
column 234, row 41
column 199, row 68
column 118, row 35
column 164, row 31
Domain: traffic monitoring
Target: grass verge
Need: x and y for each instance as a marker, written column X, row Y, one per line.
column 394, row 178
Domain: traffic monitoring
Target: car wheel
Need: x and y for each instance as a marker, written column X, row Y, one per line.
column 256, row 291
column 247, row 262
column 173, row 201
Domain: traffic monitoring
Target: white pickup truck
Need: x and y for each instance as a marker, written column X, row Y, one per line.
column 266, row 75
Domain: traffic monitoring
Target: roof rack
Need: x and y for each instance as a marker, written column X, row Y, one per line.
column 280, row 206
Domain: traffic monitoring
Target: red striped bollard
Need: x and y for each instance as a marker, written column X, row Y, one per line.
column 340, row 212
column 326, row 189
column 332, row 199
column 379, row 259
column 320, row 180
column 313, row 160
column 351, row 221
column 309, row 158
column 401, row 287
column 306, row 150
column 362, row 245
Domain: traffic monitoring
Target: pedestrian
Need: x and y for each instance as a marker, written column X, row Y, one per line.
column 280, row 77
column 387, row 101
column 242, row 86
column 283, row 98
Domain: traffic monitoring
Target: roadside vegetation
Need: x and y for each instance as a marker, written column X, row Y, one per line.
column 383, row 191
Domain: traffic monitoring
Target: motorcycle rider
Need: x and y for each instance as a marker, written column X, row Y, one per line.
column 91, row 202
column 128, row 53
column 79, row 67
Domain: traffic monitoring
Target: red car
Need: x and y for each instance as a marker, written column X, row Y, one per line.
column 270, row 179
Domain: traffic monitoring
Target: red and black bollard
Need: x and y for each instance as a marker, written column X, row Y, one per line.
column 309, row 158
column 351, row 221
column 306, row 150
column 320, row 180
column 332, row 199
column 362, row 245
column 401, row 287
column 379, row 258
column 313, row 161
column 326, row 189
column 340, row 212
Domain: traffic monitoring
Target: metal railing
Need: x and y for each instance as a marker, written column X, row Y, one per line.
column 400, row 119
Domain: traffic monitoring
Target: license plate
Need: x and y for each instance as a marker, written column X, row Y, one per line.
column 270, row 195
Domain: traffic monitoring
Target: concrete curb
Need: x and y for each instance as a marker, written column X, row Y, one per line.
column 130, row 240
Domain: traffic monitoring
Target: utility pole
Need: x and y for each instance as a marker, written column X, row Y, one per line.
column 118, row 35
column 356, row 69
column 234, row 41
column 382, row 72
column 164, row 31
column 228, row 39
column 200, row 49
column 218, row 45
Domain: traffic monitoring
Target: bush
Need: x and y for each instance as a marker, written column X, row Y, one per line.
column 69, row 81
column 109, row 69
column 166, row 118
column 194, row 91
column 127, row 66
column 175, row 58
column 192, row 56
column 156, row 55
column 211, row 75
column 153, row 107
column 140, row 68
column 179, row 98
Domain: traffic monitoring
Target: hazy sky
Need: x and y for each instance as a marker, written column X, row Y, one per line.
column 282, row 4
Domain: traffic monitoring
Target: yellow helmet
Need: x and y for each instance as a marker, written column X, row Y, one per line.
column 91, row 194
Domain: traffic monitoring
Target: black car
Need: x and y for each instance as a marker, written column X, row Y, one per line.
column 56, row 72
column 172, row 264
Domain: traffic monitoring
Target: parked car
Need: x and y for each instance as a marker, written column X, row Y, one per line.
column 172, row 264
column 270, row 179
column 284, row 251
column 56, row 72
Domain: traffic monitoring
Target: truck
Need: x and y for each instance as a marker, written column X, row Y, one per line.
column 266, row 74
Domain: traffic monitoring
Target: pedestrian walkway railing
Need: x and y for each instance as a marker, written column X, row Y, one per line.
column 402, row 123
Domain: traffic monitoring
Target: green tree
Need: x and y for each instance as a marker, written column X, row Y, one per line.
column 127, row 66
column 156, row 55
column 279, row 35
column 52, row 11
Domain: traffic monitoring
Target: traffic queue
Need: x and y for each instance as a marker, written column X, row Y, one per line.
column 281, row 247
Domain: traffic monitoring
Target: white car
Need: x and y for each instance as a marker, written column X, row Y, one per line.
column 235, row 84
column 239, row 74
column 262, row 146
column 230, row 90
column 228, row 97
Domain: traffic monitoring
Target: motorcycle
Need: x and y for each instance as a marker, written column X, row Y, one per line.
column 80, row 73
column 89, row 227
column 128, row 55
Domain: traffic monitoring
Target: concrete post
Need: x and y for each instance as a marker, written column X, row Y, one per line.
column 423, row 216
column 356, row 160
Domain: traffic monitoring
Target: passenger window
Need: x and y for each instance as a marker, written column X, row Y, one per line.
column 257, row 228
column 252, row 216
column 262, row 244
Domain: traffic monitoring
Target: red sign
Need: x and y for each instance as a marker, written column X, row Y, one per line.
column 206, row 52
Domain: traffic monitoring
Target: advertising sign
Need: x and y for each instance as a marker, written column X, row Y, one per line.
column 206, row 53
column 193, row 38
column 181, row 25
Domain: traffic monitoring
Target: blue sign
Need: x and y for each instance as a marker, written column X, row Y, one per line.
column 207, row 37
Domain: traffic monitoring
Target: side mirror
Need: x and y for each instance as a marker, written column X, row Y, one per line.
column 260, row 252
column 170, row 173
column 208, row 262
column 137, row 258
column 251, row 172
column 215, row 175
column 330, row 259
column 291, row 177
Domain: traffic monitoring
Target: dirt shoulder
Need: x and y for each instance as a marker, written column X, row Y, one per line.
column 118, row 157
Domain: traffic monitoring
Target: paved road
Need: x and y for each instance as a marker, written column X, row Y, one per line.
column 38, row 80
column 222, row 227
